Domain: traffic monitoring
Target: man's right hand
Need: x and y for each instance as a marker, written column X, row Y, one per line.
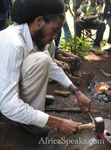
column 66, row 126
column 69, row 127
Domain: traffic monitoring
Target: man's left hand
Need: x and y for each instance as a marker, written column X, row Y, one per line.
column 83, row 101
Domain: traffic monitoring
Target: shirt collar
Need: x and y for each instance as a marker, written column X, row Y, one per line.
column 27, row 37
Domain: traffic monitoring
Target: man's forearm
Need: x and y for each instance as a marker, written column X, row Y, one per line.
column 66, row 126
column 72, row 88
column 91, row 17
column 54, row 121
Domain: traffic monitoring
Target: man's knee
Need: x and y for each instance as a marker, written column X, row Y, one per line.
column 43, row 59
column 34, row 63
column 77, row 22
column 103, row 26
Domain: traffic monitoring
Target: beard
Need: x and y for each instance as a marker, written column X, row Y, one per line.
column 37, row 39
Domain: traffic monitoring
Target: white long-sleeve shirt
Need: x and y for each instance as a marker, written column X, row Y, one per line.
column 15, row 44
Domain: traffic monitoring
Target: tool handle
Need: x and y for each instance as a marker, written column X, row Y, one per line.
column 87, row 126
column 86, row 109
column 62, row 93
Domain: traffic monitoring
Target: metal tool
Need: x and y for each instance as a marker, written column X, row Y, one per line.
column 91, row 118
column 75, row 110
column 88, row 113
column 106, row 136
column 89, row 140
column 97, row 124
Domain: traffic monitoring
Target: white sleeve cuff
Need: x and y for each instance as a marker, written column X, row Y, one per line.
column 42, row 119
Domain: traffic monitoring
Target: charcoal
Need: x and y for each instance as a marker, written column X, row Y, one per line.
column 101, row 95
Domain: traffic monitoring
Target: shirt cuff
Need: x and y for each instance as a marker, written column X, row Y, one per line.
column 41, row 119
column 66, row 82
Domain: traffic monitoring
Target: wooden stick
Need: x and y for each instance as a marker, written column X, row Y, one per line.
column 87, row 126
column 62, row 93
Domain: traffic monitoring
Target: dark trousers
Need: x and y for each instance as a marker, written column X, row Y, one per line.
column 3, row 20
column 109, row 23
column 109, row 38
column 94, row 24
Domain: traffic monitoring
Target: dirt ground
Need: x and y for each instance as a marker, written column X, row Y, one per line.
column 14, row 138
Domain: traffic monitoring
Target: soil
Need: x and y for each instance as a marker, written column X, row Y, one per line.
column 14, row 138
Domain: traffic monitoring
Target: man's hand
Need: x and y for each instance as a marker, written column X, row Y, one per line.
column 69, row 127
column 75, row 57
column 59, row 63
column 66, row 126
column 88, row 18
column 83, row 101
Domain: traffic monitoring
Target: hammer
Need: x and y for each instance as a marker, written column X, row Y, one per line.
column 97, row 124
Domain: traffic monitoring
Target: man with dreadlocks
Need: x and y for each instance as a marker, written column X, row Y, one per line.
column 25, row 67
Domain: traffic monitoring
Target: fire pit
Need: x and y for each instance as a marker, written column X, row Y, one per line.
column 100, row 91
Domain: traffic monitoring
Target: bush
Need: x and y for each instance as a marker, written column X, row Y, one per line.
column 79, row 46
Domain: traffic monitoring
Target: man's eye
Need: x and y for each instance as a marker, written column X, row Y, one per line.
column 55, row 31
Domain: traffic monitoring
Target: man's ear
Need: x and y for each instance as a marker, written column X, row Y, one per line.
column 39, row 21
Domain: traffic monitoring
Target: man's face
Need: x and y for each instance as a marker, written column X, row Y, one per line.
column 47, row 33
column 93, row 2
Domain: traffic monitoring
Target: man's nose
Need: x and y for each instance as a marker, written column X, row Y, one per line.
column 55, row 36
